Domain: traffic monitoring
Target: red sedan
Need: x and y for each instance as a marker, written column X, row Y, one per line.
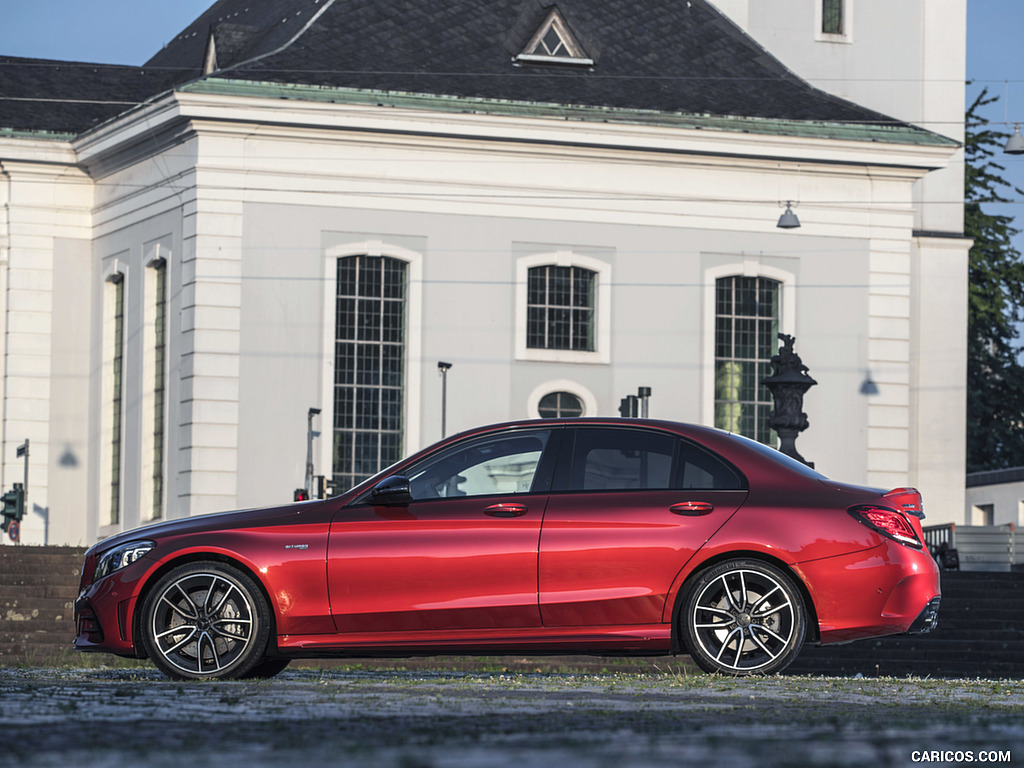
column 603, row 536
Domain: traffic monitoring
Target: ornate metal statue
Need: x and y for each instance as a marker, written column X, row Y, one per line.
column 788, row 383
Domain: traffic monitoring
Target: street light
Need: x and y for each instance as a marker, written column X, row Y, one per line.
column 309, row 451
column 788, row 219
column 442, row 371
column 1015, row 144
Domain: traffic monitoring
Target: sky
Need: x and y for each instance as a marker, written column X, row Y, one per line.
column 131, row 31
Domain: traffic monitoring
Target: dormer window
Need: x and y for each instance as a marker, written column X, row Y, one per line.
column 554, row 43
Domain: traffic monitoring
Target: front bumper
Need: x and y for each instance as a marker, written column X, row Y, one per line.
column 104, row 613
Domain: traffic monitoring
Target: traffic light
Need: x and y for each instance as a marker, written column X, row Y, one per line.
column 629, row 407
column 14, row 506
column 301, row 494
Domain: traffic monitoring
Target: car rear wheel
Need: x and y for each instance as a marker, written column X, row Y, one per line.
column 743, row 617
column 206, row 620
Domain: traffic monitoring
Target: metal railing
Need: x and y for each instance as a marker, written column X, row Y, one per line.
column 979, row 547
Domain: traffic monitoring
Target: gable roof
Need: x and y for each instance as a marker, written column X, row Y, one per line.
column 677, row 56
column 670, row 55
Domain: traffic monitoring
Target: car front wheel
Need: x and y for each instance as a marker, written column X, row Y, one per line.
column 206, row 620
column 743, row 617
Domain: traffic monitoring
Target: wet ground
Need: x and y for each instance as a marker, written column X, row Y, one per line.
column 422, row 718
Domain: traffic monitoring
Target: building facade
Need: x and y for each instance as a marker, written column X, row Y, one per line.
column 565, row 202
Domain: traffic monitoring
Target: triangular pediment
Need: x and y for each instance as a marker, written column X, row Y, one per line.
column 554, row 42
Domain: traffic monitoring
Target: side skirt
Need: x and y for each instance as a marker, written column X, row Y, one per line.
column 639, row 640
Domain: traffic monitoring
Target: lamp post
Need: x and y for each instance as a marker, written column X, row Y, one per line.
column 442, row 371
column 309, row 451
column 788, row 384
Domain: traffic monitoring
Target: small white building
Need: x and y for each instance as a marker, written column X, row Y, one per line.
column 308, row 204
column 995, row 497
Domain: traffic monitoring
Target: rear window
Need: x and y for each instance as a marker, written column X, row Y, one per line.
column 780, row 458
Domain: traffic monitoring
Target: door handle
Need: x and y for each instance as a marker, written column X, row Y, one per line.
column 505, row 510
column 692, row 508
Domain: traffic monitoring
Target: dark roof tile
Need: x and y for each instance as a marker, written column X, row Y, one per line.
column 664, row 55
column 69, row 97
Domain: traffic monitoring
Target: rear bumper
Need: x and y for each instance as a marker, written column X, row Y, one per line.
column 928, row 618
column 890, row 589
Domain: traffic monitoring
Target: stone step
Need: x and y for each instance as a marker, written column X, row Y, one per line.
column 905, row 647
column 30, row 562
column 991, row 606
column 41, row 592
column 40, row 579
column 904, row 668
column 974, row 625
column 38, row 631
column 20, row 609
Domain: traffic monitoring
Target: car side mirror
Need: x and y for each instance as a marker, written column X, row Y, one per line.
column 391, row 491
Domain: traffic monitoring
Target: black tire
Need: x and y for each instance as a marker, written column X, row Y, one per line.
column 743, row 617
column 205, row 620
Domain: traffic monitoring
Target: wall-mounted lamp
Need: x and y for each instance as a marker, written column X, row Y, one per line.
column 788, row 219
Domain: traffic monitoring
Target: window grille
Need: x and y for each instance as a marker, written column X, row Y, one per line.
column 369, row 366
column 832, row 17
column 561, row 308
column 746, row 331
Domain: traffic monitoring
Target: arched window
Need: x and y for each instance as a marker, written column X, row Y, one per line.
column 558, row 404
column 747, row 312
column 369, row 371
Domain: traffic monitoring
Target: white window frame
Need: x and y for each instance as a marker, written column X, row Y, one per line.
column 156, row 257
column 602, row 309
column 787, row 317
column 560, row 385
column 847, row 34
column 411, row 415
column 115, row 270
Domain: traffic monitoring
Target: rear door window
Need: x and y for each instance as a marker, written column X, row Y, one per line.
column 623, row 459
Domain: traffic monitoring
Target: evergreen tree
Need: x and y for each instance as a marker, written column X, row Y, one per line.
column 995, row 377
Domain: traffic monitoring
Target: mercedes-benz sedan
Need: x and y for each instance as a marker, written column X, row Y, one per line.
column 599, row 536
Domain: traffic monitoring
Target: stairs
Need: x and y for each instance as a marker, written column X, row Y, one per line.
column 980, row 631
column 980, row 634
column 38, row 586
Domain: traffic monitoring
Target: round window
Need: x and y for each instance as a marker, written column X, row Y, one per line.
column 556, row 404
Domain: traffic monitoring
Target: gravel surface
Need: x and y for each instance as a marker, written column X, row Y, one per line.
column 421, row 718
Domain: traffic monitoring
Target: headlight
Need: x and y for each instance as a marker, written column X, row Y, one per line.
column 118, row 557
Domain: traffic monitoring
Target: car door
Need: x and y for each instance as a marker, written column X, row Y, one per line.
column 629, row 507
column 462, row 554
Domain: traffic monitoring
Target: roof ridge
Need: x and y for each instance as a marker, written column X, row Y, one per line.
column 281, row 48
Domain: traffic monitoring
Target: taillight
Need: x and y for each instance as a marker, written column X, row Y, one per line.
column 887, row 522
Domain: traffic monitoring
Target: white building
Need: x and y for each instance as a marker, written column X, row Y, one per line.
column 308, row 204
column 995, row 497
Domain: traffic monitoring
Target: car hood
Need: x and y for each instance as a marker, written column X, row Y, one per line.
column 218, row 521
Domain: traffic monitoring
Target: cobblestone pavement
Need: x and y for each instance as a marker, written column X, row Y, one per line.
column 421, row 719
